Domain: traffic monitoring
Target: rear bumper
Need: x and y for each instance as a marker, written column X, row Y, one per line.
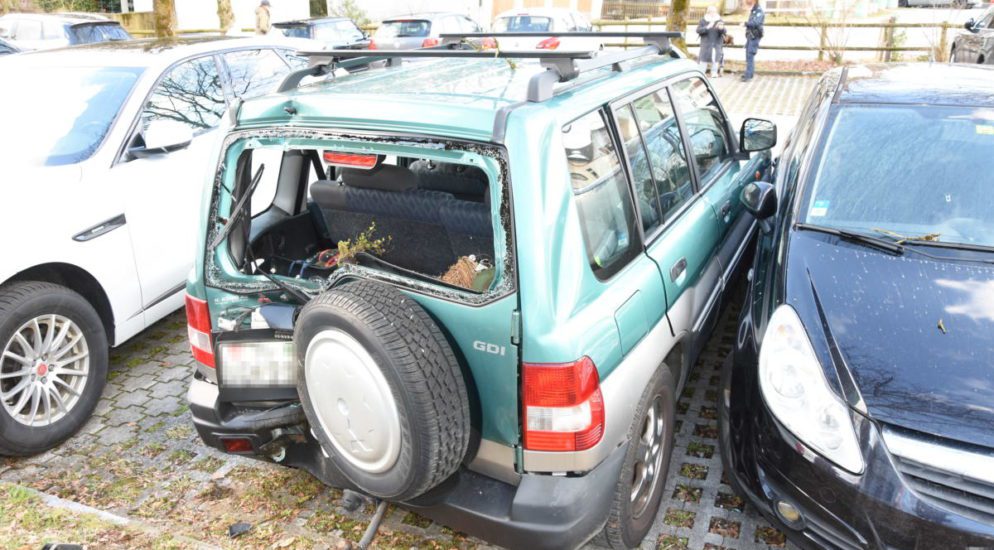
column 542, row 511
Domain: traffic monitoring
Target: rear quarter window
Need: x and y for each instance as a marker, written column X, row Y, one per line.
column 600, row 189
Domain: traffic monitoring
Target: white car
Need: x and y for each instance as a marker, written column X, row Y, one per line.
column 105, row 152
column 42, row 31
column 539, row 20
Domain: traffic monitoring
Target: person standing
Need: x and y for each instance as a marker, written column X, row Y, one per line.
column 754, row 32
column 262, row 24
column 711, row 29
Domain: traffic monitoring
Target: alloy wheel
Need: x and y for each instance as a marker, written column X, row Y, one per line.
column 648, row 458
column 43, row 369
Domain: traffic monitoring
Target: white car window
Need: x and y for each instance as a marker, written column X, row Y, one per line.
column 27, row 30
column 54, row 30
column 255, row 72
column 191, row 93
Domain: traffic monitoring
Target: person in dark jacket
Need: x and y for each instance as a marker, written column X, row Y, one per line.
column 711, row 29
column 754, row 32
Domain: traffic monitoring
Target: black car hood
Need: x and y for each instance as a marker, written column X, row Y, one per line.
column 917, row 334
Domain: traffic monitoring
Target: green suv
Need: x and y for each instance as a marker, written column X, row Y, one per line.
column 474, row 283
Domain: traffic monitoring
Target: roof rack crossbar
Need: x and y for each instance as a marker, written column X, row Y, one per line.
column 660, row 38
column 560, row 65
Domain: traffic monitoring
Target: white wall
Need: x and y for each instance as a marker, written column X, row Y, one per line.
column 202, row 14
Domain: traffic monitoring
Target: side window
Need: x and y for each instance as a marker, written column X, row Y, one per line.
column 600, row 189
column 28, row 30
column 667, row 155
column 190, row 93
column 704, row 122
column 255, row 72
column 645, row 188
column 54, row 30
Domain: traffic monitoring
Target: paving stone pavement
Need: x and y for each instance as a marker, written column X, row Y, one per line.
column 139, row 456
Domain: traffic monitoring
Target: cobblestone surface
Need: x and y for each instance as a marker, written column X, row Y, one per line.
column 139, row 457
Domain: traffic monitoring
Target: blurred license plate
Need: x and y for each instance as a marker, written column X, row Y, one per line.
column 247, row 363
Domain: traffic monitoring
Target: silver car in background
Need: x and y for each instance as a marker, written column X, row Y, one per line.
column 39, row 31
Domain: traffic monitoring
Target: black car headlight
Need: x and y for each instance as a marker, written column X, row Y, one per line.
column 795, row 390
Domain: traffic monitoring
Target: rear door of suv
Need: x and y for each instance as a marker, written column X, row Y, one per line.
column 681, row 229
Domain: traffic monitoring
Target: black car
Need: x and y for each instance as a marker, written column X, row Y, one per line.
column 976, row 46
column 335, row 32
column 857, row 408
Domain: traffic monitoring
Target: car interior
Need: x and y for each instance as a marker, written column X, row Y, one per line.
column 429, row 214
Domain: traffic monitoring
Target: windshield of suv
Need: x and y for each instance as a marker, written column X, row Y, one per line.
column 522, row 23
column 88, row 33
column 42, row 125
column 407, row 28
column 907, row 170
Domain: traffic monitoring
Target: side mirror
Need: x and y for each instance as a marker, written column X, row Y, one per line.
column 163, row 137
column 971, row 25
column 757, row 135
column 760, row 199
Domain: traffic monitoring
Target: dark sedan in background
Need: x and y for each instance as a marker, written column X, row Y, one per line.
column 976, row 46
column 858, row 406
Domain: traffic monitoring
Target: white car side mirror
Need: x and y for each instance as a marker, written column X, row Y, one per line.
column 163, row 136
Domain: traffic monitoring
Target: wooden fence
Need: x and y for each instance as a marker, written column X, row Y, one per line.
column 825, row 47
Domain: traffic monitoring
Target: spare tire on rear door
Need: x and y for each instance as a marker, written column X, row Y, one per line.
column 382, row 389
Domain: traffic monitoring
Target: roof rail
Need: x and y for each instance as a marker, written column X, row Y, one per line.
column 561, row 66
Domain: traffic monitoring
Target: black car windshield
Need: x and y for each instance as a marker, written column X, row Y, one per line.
column 408, row 28
column 43, row 125
column 88, row 33
column 523, row 23
column 907, row 171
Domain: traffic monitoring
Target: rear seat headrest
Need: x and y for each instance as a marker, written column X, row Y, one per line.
column 385, row 177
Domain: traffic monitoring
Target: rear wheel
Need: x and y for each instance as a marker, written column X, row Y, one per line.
column 382, row 390
column 53, row 365
column 643, row 474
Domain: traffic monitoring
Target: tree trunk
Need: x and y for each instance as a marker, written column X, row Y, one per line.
column 676, row 20
column 165, row 18
column 224, row 15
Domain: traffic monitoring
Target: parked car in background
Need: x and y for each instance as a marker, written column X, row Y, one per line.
column 420, row 30
column 32, row 31
column 105, row 152
column 333, row 32
column 939, row 3
column 856, row 408
column 7, row 48
column 977, row 45
column 553, row 20
column 373, row 319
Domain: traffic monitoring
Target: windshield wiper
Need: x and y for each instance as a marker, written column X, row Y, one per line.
column 239, row 208
column 882, row 244
column 932, row 239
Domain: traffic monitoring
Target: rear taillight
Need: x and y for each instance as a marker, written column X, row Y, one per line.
column 550, row 43
column 429, row 43
column 372, row 44
column 488, row 43
column 198, row 326
column 563, row 406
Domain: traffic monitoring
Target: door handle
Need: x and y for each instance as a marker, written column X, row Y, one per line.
column 725, row 209
column 678, row 268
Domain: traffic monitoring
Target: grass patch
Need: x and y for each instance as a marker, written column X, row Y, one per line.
column 679, row 518
column 686, row 493
column 209, row 465
column 700, row 450
column 694, row 471
column 672, row 542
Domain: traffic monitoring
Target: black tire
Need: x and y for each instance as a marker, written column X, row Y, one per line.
column 623, row 528
column 20, row 302
column 423, row 375
column 952, row 55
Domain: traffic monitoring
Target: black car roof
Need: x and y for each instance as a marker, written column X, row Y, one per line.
column 310, row 21
column 916, row 83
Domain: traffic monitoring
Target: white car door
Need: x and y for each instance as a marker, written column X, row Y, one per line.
column 163, row 191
